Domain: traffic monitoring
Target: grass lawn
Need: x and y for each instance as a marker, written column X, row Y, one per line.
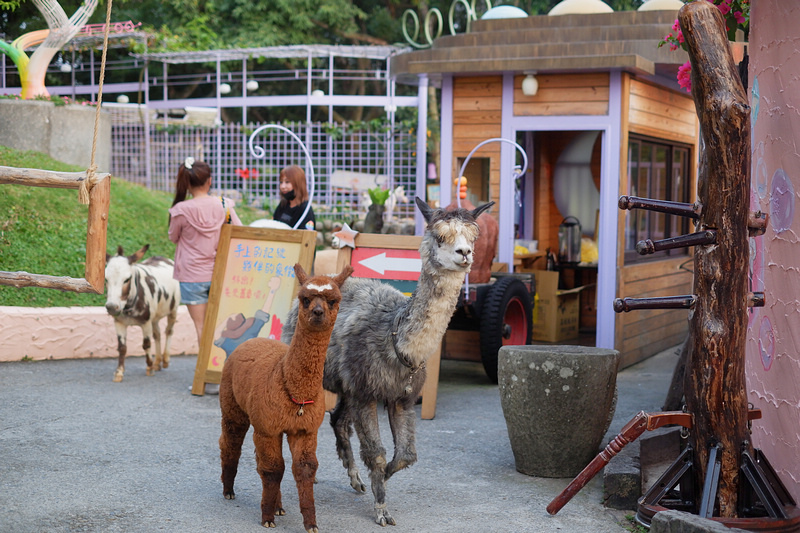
column 43, row 230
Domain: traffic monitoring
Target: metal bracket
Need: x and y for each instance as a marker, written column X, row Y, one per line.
column 765, row 483
column 711, row 482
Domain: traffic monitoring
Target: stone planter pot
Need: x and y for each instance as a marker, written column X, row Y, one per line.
column 558, row 402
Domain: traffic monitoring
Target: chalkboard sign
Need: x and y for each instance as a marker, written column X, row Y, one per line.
column 252, row 289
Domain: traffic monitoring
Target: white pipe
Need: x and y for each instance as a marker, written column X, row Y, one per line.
column 259, row 153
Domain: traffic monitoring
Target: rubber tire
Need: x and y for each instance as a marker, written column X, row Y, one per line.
column 507, row 302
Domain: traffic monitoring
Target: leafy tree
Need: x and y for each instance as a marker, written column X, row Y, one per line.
column 205, row 24
column 186, row 25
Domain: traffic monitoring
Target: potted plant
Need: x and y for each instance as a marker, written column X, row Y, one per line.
column 373, row 223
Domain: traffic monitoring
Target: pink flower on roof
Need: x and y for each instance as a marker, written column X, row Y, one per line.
column 685, row 76
column 737, row 17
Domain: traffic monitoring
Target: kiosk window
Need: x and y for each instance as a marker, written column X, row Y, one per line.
column 656, row 170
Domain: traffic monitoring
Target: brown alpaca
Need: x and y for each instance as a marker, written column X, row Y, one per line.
column 277, row 388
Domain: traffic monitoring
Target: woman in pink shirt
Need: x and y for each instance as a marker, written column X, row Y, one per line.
column 194, row 226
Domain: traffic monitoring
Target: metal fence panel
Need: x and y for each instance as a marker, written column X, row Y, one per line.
column 346, row 160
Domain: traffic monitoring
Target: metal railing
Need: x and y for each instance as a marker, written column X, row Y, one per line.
column 347, row 160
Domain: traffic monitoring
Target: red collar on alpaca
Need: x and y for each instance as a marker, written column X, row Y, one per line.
column 301, row 404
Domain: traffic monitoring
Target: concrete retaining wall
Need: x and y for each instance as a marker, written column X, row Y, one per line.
column 77, row 332
column 63, row 132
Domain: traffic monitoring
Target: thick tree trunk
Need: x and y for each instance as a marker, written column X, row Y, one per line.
column 715, row 383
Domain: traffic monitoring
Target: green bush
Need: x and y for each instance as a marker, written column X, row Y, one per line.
column 43, row 230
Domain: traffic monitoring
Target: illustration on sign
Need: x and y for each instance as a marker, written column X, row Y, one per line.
column 256, row 291
column 252, row 289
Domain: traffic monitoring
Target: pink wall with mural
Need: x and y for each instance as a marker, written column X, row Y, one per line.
column 773, row 343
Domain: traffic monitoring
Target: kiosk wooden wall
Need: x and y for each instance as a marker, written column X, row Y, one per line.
column 564, row 94
column 648, row 110
column 661, row 114
column 477, row 116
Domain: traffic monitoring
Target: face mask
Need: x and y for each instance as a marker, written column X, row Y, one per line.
column 289, row 196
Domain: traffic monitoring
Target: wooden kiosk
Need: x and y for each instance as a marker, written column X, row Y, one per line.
column 607, row 94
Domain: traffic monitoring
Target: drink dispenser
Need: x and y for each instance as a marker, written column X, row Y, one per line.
column 569, row 241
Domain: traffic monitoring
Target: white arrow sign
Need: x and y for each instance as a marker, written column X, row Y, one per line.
column 380, row 263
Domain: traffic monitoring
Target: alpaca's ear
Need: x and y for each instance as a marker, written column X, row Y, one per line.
column 478, row 210
column 300, row 274
column 424, row 208
column 138, row 255
column 343, row 275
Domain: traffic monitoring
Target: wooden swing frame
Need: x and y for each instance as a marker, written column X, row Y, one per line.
column 97, row 225
column 93, row 188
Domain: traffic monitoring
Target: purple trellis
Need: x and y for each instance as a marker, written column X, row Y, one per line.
column 362, row 153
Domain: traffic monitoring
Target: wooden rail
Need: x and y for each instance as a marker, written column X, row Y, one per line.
column 97, row 226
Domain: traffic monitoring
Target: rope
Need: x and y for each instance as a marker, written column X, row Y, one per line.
column 91, row 179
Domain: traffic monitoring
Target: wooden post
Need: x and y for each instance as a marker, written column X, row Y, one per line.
column 96, row 234
column 715, row 383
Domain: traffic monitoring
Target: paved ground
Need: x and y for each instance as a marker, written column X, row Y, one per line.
column 80, row 453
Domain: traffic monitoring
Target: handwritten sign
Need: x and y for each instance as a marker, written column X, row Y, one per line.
column 252, row 290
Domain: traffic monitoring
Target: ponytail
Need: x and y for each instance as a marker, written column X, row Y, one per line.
column 181, row 185
column 191, row 174
column 196, row 174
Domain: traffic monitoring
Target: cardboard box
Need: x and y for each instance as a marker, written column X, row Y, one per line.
column 556, row 313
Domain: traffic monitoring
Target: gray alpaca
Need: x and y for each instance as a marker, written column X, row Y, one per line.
column 380, row 344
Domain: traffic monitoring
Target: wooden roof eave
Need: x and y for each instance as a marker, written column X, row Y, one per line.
column 554, row 35
column 571, row 43
column 633, row 63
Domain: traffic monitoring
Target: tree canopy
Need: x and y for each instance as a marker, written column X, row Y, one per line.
column 188, row 25
column 177, row 25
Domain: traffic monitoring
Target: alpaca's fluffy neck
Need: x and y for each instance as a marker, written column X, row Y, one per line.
column 304, row 362
column 428, row 312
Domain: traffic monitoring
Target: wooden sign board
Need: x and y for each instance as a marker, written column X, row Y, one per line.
column 393, row 259
column 398, row 267
column 252, row 290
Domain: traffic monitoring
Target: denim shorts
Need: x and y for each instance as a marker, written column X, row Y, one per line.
column 194, row 292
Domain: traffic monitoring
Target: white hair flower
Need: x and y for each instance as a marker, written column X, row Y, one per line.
column 188, row 163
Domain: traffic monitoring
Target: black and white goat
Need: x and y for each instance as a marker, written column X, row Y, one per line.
column 141, row 294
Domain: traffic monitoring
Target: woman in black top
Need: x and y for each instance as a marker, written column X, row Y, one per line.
column 294, row 199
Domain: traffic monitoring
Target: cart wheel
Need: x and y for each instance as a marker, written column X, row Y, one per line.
column 505, row 320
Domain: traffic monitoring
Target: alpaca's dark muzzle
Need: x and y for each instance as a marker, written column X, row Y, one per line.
column 317, row 314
